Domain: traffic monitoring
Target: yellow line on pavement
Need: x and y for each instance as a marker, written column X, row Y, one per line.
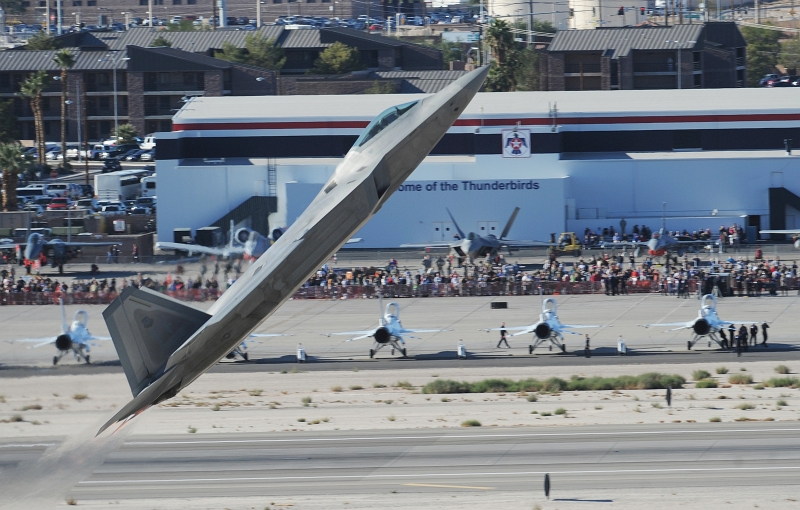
column 447, row 486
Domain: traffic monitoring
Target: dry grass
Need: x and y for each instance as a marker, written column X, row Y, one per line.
column 80, row 396
column 470, row 423
column 722, row 370
column 740, row 379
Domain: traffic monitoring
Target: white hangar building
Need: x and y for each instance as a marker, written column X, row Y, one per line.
column 569, row 160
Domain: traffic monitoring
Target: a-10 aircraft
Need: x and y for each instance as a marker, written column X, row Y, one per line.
column 390, row 331
column 58, row 252
column 706, row 325
column 241, row 350
column 795, row 233
column 74, row 337
column 547, row 329
column 164, row 345
column 242, row 242
column 477, row 246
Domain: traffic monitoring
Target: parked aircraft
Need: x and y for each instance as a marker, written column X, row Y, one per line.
column 75, row 337
column 707, row 323
column 548, row 328
column 171, row 344
column 241, row 350
column 794, row 233
column 58, row 252
column 390, row 331
column 662, row 244
column 241, row 242
column 477, row 246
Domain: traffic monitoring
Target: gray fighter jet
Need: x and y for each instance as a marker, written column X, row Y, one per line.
column 477, row 246
column 795, row 233
column 58, row 252
column 164, row 345
column 663, row 244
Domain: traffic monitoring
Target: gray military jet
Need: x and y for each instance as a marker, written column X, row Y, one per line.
column 56, row 251
column 477, row 246
column 164, row 344
column 662, row 244
column 795, row 233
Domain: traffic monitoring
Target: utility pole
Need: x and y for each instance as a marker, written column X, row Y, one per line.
column 530, row 23
column 758, row 12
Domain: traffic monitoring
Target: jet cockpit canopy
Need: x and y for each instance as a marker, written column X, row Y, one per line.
column 383, row 121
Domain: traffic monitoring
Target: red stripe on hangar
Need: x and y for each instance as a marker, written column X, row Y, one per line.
column 358, row 124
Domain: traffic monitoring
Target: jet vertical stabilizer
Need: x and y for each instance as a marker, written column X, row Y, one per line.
column 387, row 152
column 146, row 328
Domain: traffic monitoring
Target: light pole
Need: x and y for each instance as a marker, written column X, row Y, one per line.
column 114, row 61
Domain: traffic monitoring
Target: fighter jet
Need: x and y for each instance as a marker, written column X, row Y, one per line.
column 241, row 350
column 707, row 324
column 662, row 244
column 240, row 242
column 58, row 252
column 794, row 233
column 549, row 328
column 164, row 344
column 75, row 337
column 390, row 331
column 477, row 246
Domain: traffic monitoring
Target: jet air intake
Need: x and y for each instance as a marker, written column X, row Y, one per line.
column 701, row 327
column 63, row 342
column 797, row 244
column 542, row 330
column 382, row 336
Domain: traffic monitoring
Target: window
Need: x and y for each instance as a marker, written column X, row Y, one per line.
column 91, row 3
column 104, row 102
column 42, row 4
column 77, row 3
column 26, row 4
column 383, row 121
column 176, row 2
column 191, row 2
column 276, row 1
column 142, row 2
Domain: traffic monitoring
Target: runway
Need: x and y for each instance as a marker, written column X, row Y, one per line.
column 578, row 460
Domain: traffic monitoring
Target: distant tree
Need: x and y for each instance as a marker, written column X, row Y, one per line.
column 13, row 6
column 8, row 123
column 790, row 55
column 337, row 58
column 763, row 49
column 527, row 73
column 183, row 25
column 32, row 89
column 160, row 42
column 258, row 51
column 451, row 51
column 64, row 59
column 126, row 134
column 42, row 41
column 381, row 87
column 503, row 74
column 12, row 163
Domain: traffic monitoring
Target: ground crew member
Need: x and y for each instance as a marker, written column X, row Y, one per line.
column 764, row 334
column 503, row 334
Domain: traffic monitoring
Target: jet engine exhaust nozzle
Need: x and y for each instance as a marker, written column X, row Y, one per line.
column 63, row 342
column 542, row 331
column 382, row 336
column 701, row 327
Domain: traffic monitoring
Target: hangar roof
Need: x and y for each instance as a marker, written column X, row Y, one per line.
column 584, row 107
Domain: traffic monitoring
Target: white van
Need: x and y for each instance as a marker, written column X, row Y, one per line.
column 148, row 143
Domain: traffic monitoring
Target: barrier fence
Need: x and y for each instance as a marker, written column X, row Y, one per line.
column 423, row 290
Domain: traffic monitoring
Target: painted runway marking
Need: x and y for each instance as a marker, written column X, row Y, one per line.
column 459, row 436
column 443, row 475
column 447, row 486
column 30, row 445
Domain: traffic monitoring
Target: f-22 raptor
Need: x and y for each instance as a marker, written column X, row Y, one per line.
column 164, row 345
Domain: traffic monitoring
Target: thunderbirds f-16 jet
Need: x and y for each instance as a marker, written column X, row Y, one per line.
column 390, row 331
column 58, row 252
column 477, row 246
column 164, row 345
column 707, row 324
column 548, row 328
column 75, row 337
column 241, row 350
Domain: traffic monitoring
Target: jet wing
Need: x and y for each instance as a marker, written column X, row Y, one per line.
column 507, row 243
column 787, row 232
column 424, row 330
column 38, row 341
column 268, row 335
column 579, row 326
column 196, row 248
column 78, row 245
column 681, row 325
column 515, row 328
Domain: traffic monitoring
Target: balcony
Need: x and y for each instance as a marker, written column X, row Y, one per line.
column 655, row 67
column 105, row 87
column 586, row 68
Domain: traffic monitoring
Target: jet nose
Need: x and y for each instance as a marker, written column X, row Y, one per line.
column 652, row 244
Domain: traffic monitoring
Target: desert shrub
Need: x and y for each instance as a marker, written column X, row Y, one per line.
column 699, row 375
column 706, row 383
column 740, row 379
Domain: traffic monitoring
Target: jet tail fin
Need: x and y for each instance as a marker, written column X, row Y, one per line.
column 510, row 223
column 458, row 229
column 146, row 328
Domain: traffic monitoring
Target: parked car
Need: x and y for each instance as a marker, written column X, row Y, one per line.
column 87, row 190
column 141, row 210
column 33, row 208
column 119, row 150
column 111, row 165
column 149, row 155
column 133, row 155
column 87, row 203
column 59, row 204
column 114, row 209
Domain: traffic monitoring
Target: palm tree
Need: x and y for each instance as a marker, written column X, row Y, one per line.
column 13, row 163
column 32, row 89
column 64, row 59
